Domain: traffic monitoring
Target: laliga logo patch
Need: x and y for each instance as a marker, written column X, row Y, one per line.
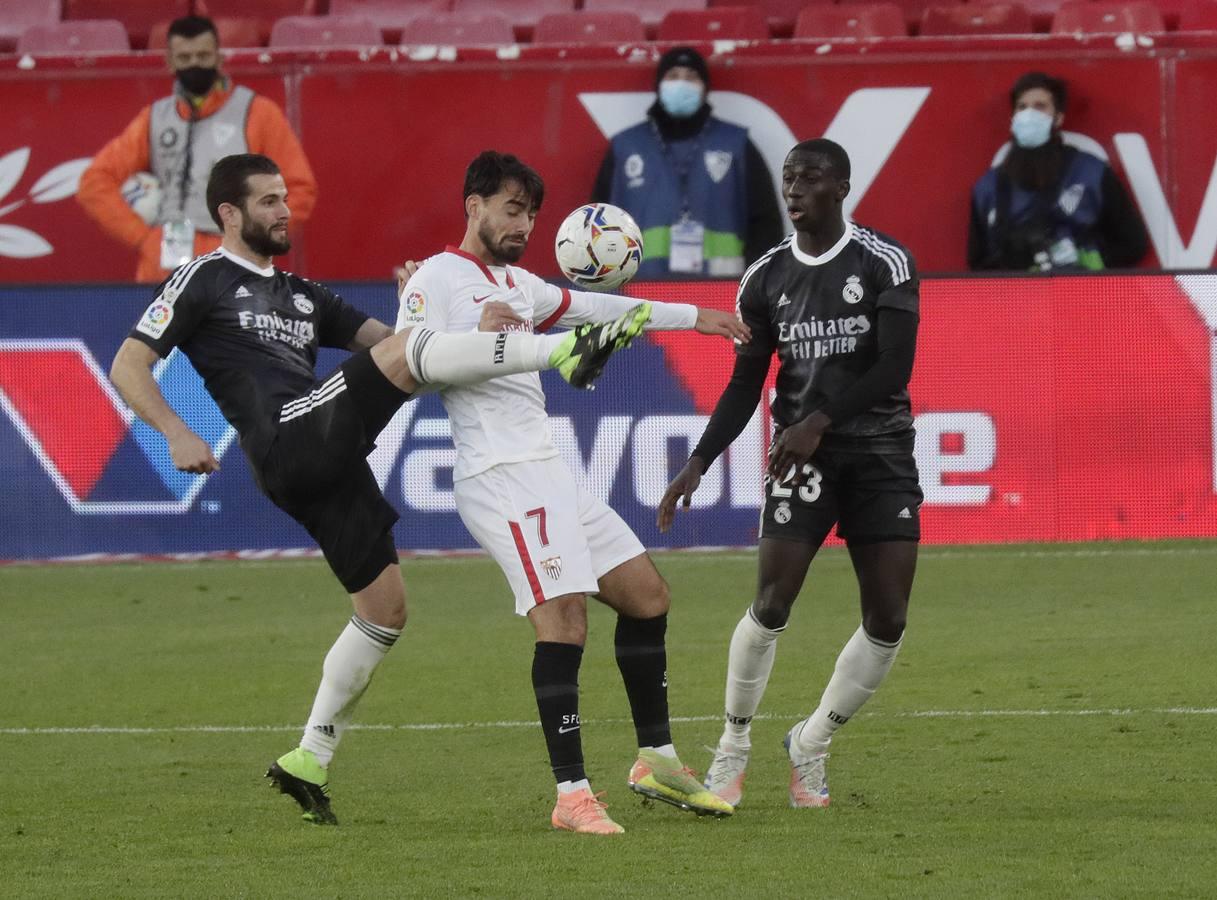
column 552, row 567
column 415, row 303
column 302, row 303
column 852, row 292
column 156, row 319
column 781, row 515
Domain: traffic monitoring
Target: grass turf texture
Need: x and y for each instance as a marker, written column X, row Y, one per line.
column 967, row 803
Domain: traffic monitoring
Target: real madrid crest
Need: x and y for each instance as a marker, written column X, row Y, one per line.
column 852, row 292
column 781, row 515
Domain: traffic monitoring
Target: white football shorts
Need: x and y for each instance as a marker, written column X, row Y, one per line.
column 548, row 535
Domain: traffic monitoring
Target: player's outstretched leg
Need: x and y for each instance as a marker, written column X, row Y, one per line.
column 581, row 357
column 299, row 775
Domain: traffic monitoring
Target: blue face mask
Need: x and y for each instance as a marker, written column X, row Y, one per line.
column 1031, row 128
column 679, row 98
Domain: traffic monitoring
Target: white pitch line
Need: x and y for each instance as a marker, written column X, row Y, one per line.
column 529, row 723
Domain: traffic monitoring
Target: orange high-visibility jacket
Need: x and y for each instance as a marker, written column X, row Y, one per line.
column 266, row 131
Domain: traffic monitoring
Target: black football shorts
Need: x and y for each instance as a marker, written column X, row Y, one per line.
column 870, row 497
column 317, row 469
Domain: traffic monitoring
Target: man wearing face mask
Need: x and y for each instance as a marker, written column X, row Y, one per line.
column 178, row 139
column 697, row 186
column 1048, row 205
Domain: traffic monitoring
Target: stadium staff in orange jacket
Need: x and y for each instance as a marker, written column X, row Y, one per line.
column 178, row 139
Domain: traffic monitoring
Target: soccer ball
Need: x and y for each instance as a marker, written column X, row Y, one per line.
column 599, row 247
column 142, row 191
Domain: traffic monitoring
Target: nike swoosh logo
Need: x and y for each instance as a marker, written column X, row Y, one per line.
column 562, row 729
column 480, row 299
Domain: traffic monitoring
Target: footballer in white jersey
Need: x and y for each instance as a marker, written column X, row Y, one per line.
column 555, row 542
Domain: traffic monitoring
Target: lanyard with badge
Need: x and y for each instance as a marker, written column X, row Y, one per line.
column 686, row 254
column 177, row 233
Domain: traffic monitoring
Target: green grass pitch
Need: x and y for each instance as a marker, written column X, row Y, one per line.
column 1049, row 730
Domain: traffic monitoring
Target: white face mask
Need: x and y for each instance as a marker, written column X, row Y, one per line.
column 1031, row 128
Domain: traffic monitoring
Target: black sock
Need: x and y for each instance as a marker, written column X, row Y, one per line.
column 643, row 661
column 555, row 681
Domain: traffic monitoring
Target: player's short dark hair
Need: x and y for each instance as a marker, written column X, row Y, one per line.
column 838, row 159
column 491, row 171
column 1054, row 86
column 191, row 27
column 229, row 180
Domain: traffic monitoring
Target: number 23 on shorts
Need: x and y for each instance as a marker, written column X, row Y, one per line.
column 809, row 490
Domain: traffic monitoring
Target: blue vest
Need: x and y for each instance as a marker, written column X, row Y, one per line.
column 647, row 184
column 1039, row 220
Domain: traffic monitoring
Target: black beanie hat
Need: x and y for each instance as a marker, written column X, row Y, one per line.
column 682, row 56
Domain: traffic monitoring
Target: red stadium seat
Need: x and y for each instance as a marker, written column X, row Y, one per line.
column 459, row 30
column 1198, row 17
column 589, row 28
column 996, row 18
column 1041, row 11
column 1107, row 18
column 324, row 31
column 744, row 23
column 650, row 11
column 912, row 10
column 18, row 15
column 138, row 16
column 264, row 12
column 781, row 14
column 524, row 14
column 856, row 21
column 390, row 16
column 231, row 32
column 82, row 36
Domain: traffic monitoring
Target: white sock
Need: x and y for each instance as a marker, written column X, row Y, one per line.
column 436, row 357
column 749, row 662
column 860, row 668
column 667, row 750
column 570, row 787
column 344, row 677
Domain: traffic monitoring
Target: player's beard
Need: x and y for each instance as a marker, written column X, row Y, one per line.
column 261, row 241
column 502, row 252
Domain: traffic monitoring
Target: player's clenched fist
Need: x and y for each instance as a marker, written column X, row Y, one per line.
column 190, row 453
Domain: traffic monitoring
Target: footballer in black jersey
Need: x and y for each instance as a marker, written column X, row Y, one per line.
column 837, row 303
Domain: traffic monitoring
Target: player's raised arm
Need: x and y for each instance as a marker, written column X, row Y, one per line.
column 131, row 373
column 577, row 307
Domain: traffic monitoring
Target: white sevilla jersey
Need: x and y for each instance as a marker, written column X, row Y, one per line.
column 501, row 420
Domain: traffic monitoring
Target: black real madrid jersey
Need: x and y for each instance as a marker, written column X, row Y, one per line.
column 251, row 333
column 818, row 314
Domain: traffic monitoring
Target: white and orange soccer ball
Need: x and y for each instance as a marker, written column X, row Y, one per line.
column 599, row 247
